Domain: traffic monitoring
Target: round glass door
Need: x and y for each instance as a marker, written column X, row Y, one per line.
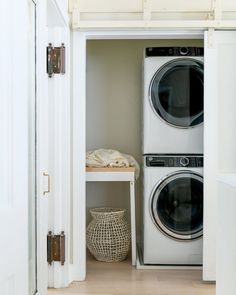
column 176, row 93
column 177, row 205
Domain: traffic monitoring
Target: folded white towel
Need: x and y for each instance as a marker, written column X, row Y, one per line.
column 111, row 158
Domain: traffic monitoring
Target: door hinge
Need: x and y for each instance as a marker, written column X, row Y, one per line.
column 56, row 247
column 55, row 60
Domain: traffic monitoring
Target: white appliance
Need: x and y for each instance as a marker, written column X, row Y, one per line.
column 173, row 100
column 173, row 209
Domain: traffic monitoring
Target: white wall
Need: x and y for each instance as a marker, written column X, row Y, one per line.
column 219, row 135
column 226, row 239
column 114, row 97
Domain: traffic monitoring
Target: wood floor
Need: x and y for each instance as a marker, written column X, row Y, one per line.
column 122, row 279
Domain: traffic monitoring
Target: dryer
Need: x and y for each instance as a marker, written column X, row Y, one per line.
column 173, row 209
column 173, row 100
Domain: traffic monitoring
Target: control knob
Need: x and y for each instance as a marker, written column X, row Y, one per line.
column 184, row 161
column 183, row 50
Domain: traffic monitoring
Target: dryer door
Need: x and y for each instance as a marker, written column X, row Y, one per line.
column 176, row 92
column 177, row 205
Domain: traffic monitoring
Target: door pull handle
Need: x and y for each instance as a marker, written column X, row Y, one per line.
column 49, row 183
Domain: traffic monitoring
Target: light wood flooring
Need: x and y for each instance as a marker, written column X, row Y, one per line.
column 122, row 279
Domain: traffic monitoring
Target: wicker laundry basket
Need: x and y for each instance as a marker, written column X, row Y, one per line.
column 108, row 234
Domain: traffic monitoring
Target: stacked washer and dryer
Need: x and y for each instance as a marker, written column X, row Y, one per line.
column 173, row 155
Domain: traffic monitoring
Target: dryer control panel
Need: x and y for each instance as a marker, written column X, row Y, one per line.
column 174, row 51
column 174, row 160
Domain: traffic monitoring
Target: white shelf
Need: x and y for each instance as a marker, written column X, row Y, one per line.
column 110, row 174
column 118, row 174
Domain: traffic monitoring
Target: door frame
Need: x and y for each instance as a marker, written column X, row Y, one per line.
column 58, row 111
column 80, row 38
column 50, row 14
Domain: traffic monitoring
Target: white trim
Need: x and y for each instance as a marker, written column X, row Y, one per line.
column 211, row 153
column 143, row 34
column 152, row 24
column 78, row 270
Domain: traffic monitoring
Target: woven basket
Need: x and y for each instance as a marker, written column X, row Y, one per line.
column 108, row 234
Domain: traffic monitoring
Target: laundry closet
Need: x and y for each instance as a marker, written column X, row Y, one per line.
column 114, row 111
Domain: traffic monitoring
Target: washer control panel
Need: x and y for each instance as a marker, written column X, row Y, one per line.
column 174, row 160
column 174, row 51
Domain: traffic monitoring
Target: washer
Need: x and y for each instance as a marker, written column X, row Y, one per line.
column 173, row 100
column 173, row 209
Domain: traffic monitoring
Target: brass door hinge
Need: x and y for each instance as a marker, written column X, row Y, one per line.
column 56, row 248
column 55, row 60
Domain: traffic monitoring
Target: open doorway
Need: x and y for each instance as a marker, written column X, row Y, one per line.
column 114, row 112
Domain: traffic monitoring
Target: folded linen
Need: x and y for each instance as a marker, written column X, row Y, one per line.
column 111, row 158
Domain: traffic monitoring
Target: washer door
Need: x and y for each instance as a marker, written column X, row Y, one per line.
column 176, row 93
column 177, row 205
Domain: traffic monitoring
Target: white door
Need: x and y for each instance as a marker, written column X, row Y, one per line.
column 22, row 163
column 219, row 132
column 14, row 147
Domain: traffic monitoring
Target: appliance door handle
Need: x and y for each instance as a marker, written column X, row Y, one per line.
column 49, row 183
